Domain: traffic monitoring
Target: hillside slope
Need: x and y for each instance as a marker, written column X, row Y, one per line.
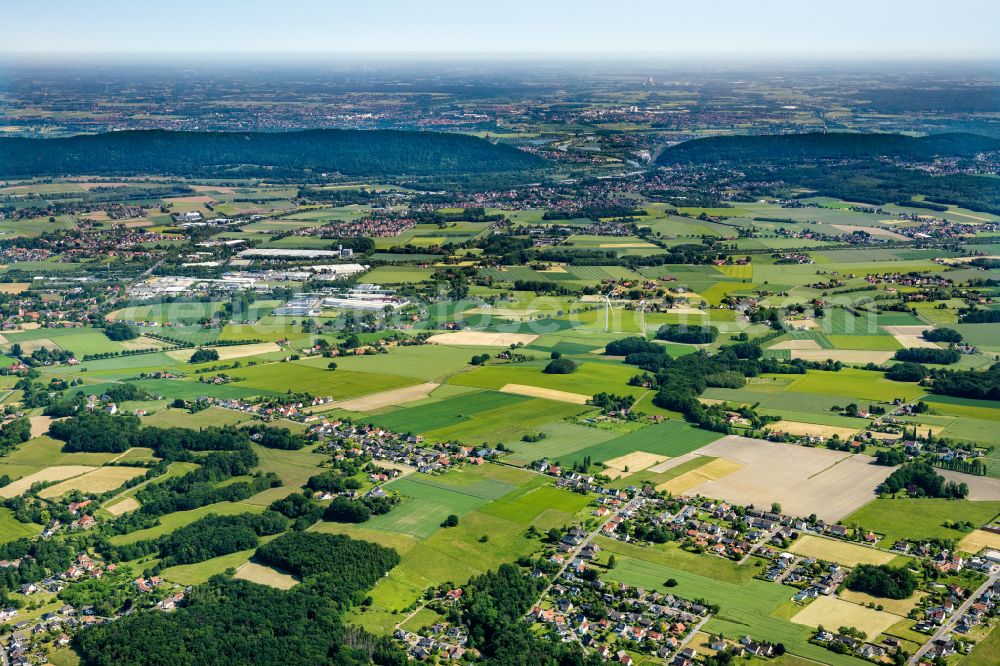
column 815, row 145
column 282, row 154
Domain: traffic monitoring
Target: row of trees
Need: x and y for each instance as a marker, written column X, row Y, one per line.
column 203, row 539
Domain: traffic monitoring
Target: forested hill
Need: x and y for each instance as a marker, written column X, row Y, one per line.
column 281, row 154
column 815, row 145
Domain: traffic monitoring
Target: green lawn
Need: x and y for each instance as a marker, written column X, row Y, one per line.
column 986, row 653
column 920, row 518
column 424, row 507
column 12, row 529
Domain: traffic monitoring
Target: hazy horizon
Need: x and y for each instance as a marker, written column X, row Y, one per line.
column 891, row 31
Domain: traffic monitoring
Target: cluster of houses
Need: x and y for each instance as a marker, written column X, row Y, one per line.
column 344, row 439
column 648, row 623
column 23, row 646
column 297, row 410
column 443, row 640
column 949, row 609
column 844, row 644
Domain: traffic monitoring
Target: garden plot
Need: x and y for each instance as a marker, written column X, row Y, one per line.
column 388, row 398
column 548, row 394
column 804, row 480
column 482, row 339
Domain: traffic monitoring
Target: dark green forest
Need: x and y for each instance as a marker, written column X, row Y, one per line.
column 262, row 154
column 817, row 145
column 227, row 621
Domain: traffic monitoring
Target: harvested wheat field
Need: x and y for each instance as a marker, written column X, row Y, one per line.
column 54, row 473
column 548, row 394
column 29, row 346
column 800, row 429
column 258, row 573
column 981, row 488
column 504, row 313
column 97, row 481
column 977, row 540
column 841, row 552
column 874, row 231
column 843, row 355
column 40, row 425
column 198, row 199
column 13, row 287
column 796, row 344
column 390, row 398
column 710, row 471
column 804, row 480
column 481, row 339
column 834, row 612
column 631, row 463
column 125, row 506
column 910, row 336
column 670, row 463
column 142, row 342
column 230, row 352
column 899, row 607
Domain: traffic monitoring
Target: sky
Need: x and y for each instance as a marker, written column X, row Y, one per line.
column 886, row 29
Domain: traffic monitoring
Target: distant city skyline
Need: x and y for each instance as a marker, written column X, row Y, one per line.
column 852, row 29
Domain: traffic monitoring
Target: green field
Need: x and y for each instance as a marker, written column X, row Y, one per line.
column 295, row 376
column 668, row 439
column 914, row 519
column 173, row 521
column 424, row 507
column 12, row 529
column 745, row 608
